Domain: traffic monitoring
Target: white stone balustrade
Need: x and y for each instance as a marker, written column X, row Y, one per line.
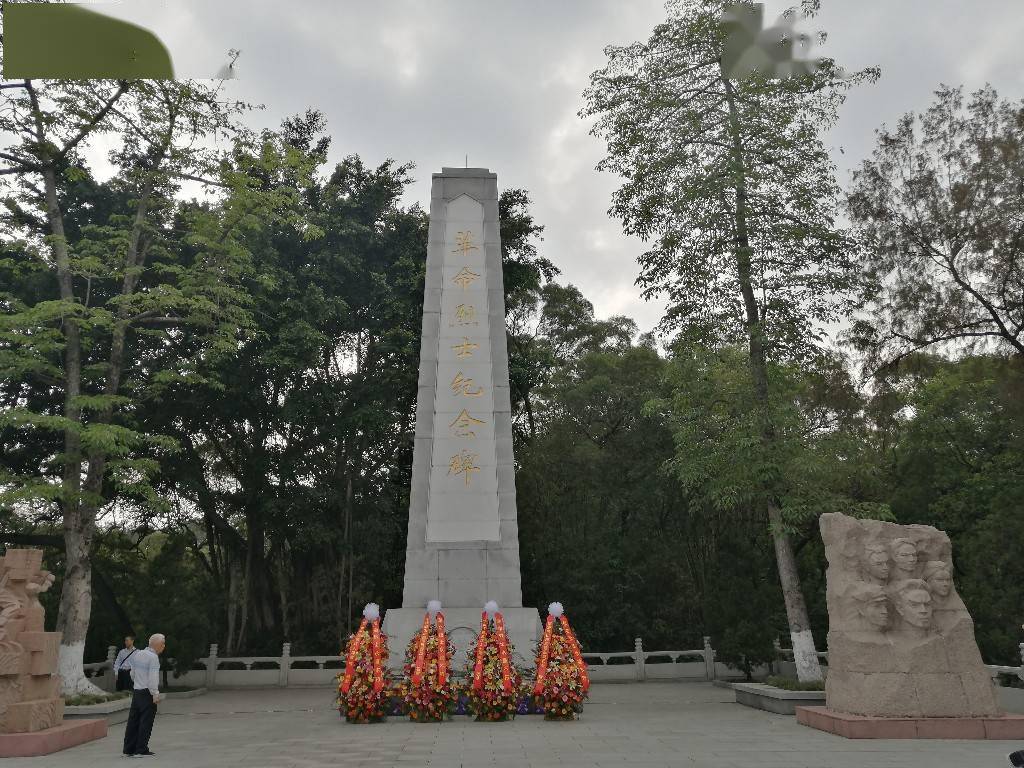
column 638, row 665
column 994, row 669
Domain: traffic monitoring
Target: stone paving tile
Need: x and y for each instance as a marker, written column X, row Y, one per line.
column 654, row 725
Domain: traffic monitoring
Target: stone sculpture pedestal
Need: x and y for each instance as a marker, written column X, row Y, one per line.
column 31, row 707
column 1007, row 726
column 67, row 734
column 463, row 544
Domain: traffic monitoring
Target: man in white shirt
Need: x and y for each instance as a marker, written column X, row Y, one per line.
column 146, row 679
column 123, row 665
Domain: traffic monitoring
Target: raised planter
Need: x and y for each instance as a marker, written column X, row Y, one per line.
column 113, row 712
column 777, row 700
column 861, row 727
column 116, row 711
column 1011, row 699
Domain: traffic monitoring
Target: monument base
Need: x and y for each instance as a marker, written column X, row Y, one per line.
column 864, row 727
column 522, row 624
column 64, row 736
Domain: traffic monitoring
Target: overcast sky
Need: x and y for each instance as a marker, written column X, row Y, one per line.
column 430, row 81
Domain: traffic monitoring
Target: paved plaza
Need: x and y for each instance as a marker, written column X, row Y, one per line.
column 695, row 725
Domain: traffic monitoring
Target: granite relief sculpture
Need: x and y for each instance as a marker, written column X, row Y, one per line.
column 901, row 642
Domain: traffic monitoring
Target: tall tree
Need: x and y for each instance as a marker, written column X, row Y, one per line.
column 117, row 288
column 598, row 517
column 939, row 211
column 525, row 273
column 731, row 182
column 297, row 443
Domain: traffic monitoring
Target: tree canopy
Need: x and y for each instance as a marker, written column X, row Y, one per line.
column 207, row 404
column 939, row 210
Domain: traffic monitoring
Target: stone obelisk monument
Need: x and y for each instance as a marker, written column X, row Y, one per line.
column 463, row 545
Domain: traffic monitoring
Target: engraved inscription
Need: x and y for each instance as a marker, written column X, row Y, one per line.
column 463, row 463
column 463, row 425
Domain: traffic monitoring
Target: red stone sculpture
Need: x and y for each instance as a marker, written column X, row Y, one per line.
column 31, row 707
column 29, row 688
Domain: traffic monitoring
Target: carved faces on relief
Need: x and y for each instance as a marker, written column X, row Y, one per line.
column 904, row 557
column 872, row 606
column 876, row 563
column 913, row 602
column 937, row 575
column 889, row 593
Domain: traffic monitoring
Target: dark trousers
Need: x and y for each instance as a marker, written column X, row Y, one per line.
column 140, row 723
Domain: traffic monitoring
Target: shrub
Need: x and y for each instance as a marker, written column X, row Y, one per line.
column 789, row 684
column 84, row 699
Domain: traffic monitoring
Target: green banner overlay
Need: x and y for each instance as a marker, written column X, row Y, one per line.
column 72, row 42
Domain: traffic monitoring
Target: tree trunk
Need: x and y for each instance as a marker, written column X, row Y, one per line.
column 246, row 594
column 76, row 593
column 804, row 653
column 106, row 593
column 529, row 415
column 79, row 523
column 282, row 586
column 75, row 605
column 350, row 552
column 79, row 530
column 236, row 595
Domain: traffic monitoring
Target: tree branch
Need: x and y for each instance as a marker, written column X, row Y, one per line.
column 920, row 344
column 91, row 123
column 993, row 313
column 24, row 164
column 159, row 322
column 200, row 179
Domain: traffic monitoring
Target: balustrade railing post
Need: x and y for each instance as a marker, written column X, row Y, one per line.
column 1020, row 670
column 109, row 678
column 638, row 655
column 709, row 660
column 286, row 663
column 211, row 667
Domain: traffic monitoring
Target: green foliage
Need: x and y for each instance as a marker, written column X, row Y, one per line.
column 819, row 461
column 958, row 464
column 601, row 528
column 92, row 291
column 816, row 462
column 732, row 186
column 592, row 503
column 525, row 274
column 740, row 592
column 715, row 169
column 297, row 447
column 84, row 699
column 789, row 684
column 175, row 600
